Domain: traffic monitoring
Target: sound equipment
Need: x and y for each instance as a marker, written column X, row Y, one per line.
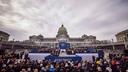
column 125, row 52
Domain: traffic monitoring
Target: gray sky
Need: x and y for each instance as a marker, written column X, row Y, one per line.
column 102, row 18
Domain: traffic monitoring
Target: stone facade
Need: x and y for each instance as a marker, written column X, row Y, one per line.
column 62, row 36
column 122, row 36
column 4, row 36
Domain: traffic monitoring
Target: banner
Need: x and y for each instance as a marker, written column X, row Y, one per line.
column 87, row 56
column 66, row 58
column 101, row 53
column 64, row 45
column 91, row 50
column 38, row 56
column 34, row 50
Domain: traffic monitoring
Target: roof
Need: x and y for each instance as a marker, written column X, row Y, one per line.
column 1, row 32
column 49, row 39
column 76, row 39
column 122, row 32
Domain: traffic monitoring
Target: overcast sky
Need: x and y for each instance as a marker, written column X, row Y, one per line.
column 102, row 18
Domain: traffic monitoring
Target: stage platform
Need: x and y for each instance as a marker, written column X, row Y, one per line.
column 76, row 57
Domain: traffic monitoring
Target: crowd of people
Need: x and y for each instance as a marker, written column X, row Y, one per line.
column 17, row 63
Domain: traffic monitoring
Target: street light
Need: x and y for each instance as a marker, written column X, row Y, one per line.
column 13, row 44
column 113, row 45
column 40, row 44
column 125, row 41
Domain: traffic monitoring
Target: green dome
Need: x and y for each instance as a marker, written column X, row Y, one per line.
column 62, row 31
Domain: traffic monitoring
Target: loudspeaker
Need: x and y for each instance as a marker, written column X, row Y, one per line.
column 125, row 52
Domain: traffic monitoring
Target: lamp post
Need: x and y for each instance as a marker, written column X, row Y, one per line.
column 113, row 45
column 125, row 42
column 13, row 44
column 40, row 44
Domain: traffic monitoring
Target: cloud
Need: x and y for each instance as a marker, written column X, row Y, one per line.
column 103, row 18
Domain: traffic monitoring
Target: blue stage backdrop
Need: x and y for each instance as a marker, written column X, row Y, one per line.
column 34, row 50
column 91, row 50
column 57, row 58
column 101, row 53
column 64, row 45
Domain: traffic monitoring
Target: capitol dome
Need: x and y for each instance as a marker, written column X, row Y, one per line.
column 62, row 31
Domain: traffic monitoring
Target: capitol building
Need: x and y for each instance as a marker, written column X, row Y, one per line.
column 63, row 39
column 62, row 36
column 85, row 41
